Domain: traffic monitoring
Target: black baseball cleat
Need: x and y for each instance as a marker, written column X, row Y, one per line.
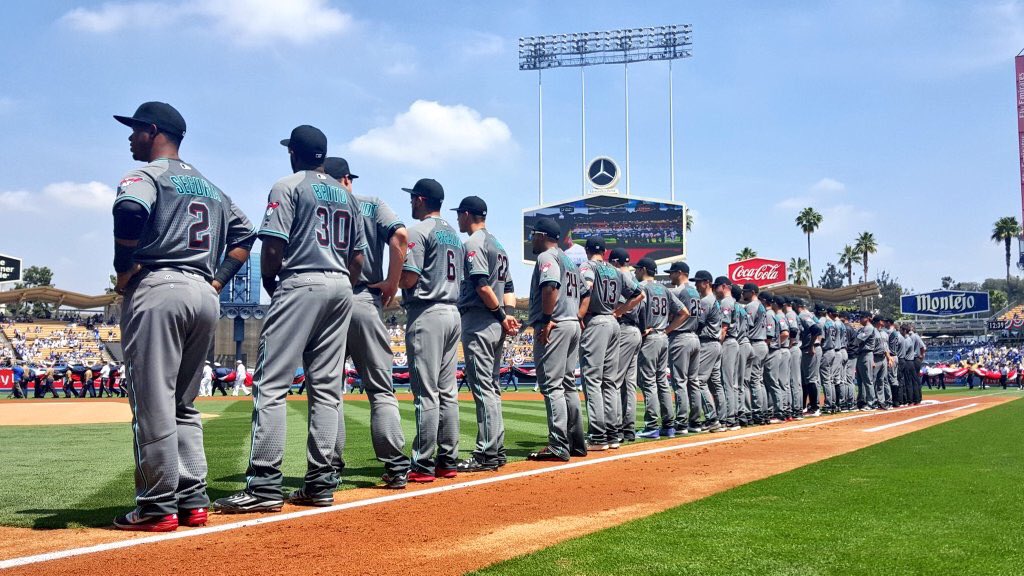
column 546, row 455
column 243, row 502
column 301, row 498
column 474, row 465
column 395, row 480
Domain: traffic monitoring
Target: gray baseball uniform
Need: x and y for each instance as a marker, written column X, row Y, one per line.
column 556, row 358
column 742, row 320
column 755, row 396
column 369, row 344
column 599, row 348
column 796, row 383
column 168, row 322
column 883, row 394
column 866, row 338
column 776, row 377
column 482, row 341
column 307, row 325
column 711, row 394
column 658, row 306
column 731, row 372
column 432, row 339
column 829, row 361
column 626, row 372
column 810, row 361
column 684, row 354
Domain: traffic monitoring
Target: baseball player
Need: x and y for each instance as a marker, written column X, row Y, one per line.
column 555, row 290
column 895, row 349
column 776, row 375
column 755, row 399
column 177, row 240
column 883, row 394
column 919, row 353
column 629, row 350
column 844, row 388
column 709, row 332
column 312, row 244
column 734, row 318
column 684, row 351
column 604, row 285
column 660, row 313
column 866, row 340
column 485, row 324
column 907, row 363
column 829, row 358
column 368, row 342
column 431, row 276
column 240, row 374
column 810, row 361
column 796, row 385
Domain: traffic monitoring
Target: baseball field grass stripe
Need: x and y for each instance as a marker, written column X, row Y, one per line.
column 669, row 447
column 908, row 421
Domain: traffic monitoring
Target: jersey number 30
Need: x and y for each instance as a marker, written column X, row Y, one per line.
column 334, row 228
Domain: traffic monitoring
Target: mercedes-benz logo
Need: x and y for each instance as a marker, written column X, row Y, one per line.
column 603, row 172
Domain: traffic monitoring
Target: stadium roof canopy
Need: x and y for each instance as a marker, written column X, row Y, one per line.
column 50, row 295
column 829, row 296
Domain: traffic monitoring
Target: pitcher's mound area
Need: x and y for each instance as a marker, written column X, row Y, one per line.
column 70, row 412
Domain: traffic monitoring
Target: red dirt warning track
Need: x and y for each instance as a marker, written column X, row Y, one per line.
column 461, row 529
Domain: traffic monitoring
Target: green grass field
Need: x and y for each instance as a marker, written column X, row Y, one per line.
column 944, row 500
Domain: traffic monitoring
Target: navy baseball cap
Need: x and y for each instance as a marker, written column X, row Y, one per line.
column 767, row 298
column 473, row 204
column 648, row 264
column 680, row 267
column 751, row 287
column 721, row 281
column 308, row 143
column 736, row 292
column 702, row 276
column 549, row 228
column 619, row 255
column 595, row 244
column 830, row 310
column 337, row 168
column 160, row 114
column 428, row 188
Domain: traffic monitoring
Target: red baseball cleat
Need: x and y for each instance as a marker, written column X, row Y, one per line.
column 446, row 472
column 133, row 522
column 420, row 477
column 193, row 518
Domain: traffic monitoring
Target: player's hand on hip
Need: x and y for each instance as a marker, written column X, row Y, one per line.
column 545, row 333
column 387, row 291
column 124, row 278
column 216, row 285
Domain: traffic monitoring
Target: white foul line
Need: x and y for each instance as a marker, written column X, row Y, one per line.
column 108, row 546
column 902, row 422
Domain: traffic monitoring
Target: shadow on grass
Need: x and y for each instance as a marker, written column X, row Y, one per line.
column 102, row 517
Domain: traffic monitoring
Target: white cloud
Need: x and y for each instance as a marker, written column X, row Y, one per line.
column 481, row 44
column 817, row 194
column 17, row 201
column 245, row 22
column 86, row 196
column 828, row 185
column 430, row 133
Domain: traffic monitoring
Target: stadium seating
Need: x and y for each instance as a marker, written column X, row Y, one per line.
column 87, row 351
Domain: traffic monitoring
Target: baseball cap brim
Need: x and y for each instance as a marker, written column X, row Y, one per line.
column 410, row 191
column 130, row 122
column 286, row 142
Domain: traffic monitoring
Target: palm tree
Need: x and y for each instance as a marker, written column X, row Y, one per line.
column 689, row 220
column 1004, row 230
column 848, row 257
column 808, row 220
column 746, row 253
column 799, row 271
column 865, row 245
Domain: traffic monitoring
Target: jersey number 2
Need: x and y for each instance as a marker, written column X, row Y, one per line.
column 199, row 231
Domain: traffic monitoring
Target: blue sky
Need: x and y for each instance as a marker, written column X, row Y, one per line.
column 893, row 117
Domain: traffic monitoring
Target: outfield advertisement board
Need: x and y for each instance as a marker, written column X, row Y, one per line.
column 944, row 303
column 646, row 228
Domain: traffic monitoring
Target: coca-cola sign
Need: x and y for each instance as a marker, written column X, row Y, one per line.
column 760, row 271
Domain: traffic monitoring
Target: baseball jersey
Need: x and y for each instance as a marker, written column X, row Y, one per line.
column 895, row 342
column 728, row 306
column 773, row 330
column 379, row 223
column 554, row 267
column 829, row 333
column 658, row 306
column 907, row 351
column 318, row 218
column 633, row 316
column 881, row 343
column 758, row 320
column 794, row 327
column 709, row 326
column 809, row 329
column 606, row 285
column 191, row 222
column 866, row 337
column 842, row 334
column 438, row 256
column 486, row 260
column 690, row 299
column 741, row 322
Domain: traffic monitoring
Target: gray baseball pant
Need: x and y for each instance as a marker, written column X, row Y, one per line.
column 482, row 342
column 709, row 395
column 369, row 345
column 883, row 395
column 168, row 322
column 307, row 325
column 810, row 370
column 626, row 368
column 796, row 382
column 755, row 394
column 556, row 362
column 776, row 382
column 432, row 340
column 599, row 353
column 866, row 381
column 684, row 366
column 657, row 394
column 827, row 373
column 731, row 376
column 844, row 380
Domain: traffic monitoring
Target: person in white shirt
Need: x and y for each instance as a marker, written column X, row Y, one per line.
column 240, row 374
column 206, row 384
column 105, row 383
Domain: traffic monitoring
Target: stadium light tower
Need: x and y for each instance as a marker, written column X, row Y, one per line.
column 584, row 49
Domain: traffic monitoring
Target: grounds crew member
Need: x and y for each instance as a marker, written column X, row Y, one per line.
column 312, row 243
column 485, row 324
column 555, row 289
column 368, row 342
column 177, row 240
